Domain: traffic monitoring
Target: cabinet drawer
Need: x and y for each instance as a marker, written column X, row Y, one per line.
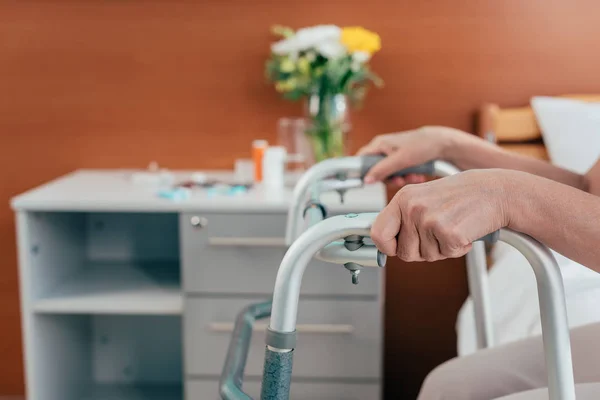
column 238, row 225
column 209, row 390
column 240, row 254
column 336, row 338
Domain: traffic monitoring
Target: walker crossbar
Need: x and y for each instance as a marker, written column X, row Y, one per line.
column 230, row 385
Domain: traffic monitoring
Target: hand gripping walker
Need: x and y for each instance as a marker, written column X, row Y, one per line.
column 321, row 240
column 342, row 174
column 348, row 173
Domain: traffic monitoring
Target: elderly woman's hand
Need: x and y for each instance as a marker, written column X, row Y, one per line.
column 410, row 148
column 440, row 219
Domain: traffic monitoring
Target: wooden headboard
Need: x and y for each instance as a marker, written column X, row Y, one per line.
column 516, row 129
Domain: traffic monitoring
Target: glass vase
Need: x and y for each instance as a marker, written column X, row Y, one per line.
column 328, row 125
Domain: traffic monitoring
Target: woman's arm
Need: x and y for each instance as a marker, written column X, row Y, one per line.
column 592, row 179
column 470, row 152
column 563, row 218
column 406, row 149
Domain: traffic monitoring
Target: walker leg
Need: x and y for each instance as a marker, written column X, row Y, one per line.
column 477, row 275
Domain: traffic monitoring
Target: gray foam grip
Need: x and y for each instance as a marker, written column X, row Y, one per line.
column 277, row 375
column 281, row 340
column 369, row 161
column 491, row 238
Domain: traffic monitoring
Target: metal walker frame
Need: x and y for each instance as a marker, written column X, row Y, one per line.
column 339, row 240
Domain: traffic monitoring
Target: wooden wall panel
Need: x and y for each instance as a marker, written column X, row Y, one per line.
column 99, row 83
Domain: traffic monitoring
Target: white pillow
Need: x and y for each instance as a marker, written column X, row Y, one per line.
column 571, row 131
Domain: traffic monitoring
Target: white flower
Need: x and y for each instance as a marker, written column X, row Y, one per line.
column 358, row 59
column 361, row 57
column 331, row 49
column 324, row 38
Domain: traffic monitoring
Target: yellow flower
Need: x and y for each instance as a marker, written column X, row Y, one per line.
column 286, row 86
column 287, row 65
column 303, row 65
column 356, row 38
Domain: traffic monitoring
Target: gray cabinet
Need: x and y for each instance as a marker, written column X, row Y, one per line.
column 135, row 296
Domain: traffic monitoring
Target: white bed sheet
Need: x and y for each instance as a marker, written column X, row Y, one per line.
column 514, row 302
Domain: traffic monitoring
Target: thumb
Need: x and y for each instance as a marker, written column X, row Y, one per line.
column 386, row 167
column 386, row 227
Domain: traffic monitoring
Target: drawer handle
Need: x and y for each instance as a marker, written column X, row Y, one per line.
column 198, row 222
column 227, row 327
column 247, row 241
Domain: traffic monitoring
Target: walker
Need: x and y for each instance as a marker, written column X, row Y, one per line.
column 340, row 240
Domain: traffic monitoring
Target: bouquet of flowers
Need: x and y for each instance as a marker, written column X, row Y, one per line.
column 329, row 67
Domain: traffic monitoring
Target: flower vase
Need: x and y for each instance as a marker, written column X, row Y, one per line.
column 328, row 125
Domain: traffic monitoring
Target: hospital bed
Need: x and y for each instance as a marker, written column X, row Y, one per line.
column 514, row 317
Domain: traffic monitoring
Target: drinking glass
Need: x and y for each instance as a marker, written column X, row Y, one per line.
column 291, row 135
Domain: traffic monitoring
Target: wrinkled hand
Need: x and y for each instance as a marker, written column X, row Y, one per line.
column 440, row 219
column 408, row 149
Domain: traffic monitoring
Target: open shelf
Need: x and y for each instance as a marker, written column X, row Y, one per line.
column 104, row 306
column 124, row 392
column 117, row 288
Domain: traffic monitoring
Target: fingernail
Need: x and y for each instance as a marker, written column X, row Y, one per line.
column 369, row 179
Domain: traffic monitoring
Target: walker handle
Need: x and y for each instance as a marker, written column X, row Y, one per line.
column 423, row 169
column 428, row 168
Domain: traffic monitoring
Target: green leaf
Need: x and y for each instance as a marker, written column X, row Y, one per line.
column 294, row 95
column 283, row 31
